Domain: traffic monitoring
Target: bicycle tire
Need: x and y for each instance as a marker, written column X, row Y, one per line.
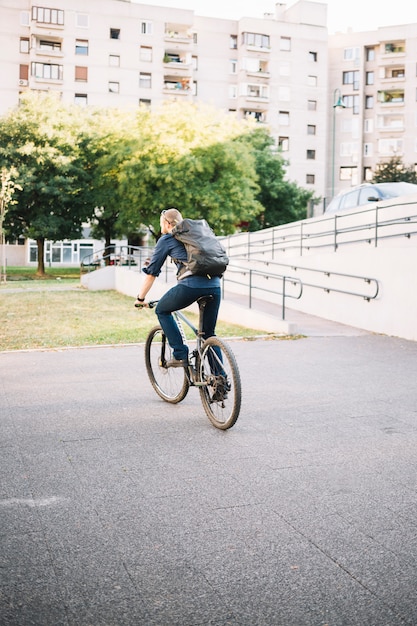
column 170, row 383
column 221, row 396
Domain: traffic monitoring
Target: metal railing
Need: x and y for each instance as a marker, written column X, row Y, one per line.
column 248, row 276
column 128, row 256
column 370, row 225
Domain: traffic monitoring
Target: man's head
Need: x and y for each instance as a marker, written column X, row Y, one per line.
column 169, row 219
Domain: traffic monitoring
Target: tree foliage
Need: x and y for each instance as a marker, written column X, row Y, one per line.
column 187, row 157
column 118, row 169
column 393, row 171
column 282, row 201
column 44, row 142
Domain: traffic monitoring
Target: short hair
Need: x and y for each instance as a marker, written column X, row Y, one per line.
column 173, row 216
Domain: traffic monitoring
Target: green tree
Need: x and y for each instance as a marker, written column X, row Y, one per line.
column 187, row 156
column 110, row 139
column 45, row 142
column 282, row 201
column 394, row 170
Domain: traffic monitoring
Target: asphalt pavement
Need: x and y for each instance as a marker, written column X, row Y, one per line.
column 118, row 509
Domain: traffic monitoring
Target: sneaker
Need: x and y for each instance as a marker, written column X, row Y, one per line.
column 222, row 388
column 177, row 363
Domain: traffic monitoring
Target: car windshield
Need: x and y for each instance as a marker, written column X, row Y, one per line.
column 393, row 190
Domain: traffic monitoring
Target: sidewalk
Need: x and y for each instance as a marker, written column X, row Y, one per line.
column 118, row 509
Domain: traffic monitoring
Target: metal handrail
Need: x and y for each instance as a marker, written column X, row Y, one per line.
column 243, row 271
column 330, row 231
column 290, row 279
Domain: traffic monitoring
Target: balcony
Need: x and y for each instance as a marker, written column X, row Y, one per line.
column 177, row 65
column 181, row 88
column 178, row 33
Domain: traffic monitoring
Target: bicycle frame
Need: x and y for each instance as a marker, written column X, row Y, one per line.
column 211, row 367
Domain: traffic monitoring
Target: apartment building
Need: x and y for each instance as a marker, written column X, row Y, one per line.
column 118, row 53
column 336, row 106
column 372, row 102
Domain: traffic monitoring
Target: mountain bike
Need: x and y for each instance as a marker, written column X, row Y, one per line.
column 211, row 367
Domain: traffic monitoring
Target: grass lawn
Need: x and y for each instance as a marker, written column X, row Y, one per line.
column 57, row 312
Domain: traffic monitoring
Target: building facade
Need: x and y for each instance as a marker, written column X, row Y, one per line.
column 375, row 76
column 283, row 70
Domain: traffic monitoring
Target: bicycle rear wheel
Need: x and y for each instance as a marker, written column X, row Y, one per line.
column 221, row 395
column 170, row 383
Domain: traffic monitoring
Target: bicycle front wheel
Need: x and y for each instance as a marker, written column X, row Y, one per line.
column 170, row 383
column 221, row 393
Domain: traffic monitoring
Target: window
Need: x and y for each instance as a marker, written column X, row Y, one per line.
column 370, row 54
column 311, row 129
column 352, row 102
column 194, row 62
column 48, row 16
column 285, row 43
column 114, row 60
column 312, row 81
column 390, row 147
column 145, row 80
column 255, row 39
column 47, row 71
column 81, row 74
column 367, row 174
column 351, row 54
column 369, row 78
column 113, row 87
column 369, row 102
column 284, row 143
column 232, row 91
column 311, row 154
column 312, row 56
column 146, row 27
column 145, row 102
column 80, row 99
column 145, row 53
column 368, row 149
column 233, row 42
column 24, row 45
column 49, row 46
column 310, row 179
column 81, row 46
column 349, row 173
column 115, row 33
column 284, row 118
column 312, row 105
column 24, row 72
column 82, row 20
column 233, row 66
column 351, row 78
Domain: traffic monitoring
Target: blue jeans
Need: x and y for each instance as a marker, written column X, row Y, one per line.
column 180, row 297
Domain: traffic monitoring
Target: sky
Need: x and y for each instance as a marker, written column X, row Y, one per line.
column 360, row 15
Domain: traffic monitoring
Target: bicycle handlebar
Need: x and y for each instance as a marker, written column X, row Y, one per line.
column 150, row 305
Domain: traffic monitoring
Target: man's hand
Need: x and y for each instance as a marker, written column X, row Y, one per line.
column 141, row 304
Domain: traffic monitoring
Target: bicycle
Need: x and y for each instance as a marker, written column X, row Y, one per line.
column 212, row 367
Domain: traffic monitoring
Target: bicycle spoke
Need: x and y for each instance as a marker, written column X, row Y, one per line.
column 221, row 395
column 170, row 383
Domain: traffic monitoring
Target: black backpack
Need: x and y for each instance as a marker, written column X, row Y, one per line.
column 206, row 255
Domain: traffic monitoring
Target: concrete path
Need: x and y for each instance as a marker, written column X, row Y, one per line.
column 118, row 509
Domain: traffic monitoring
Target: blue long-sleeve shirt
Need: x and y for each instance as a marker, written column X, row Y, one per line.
column 166, row 246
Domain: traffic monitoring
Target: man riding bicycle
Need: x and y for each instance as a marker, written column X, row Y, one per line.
column 185, row 292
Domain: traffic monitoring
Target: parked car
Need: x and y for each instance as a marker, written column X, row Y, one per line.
column 369, row 192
